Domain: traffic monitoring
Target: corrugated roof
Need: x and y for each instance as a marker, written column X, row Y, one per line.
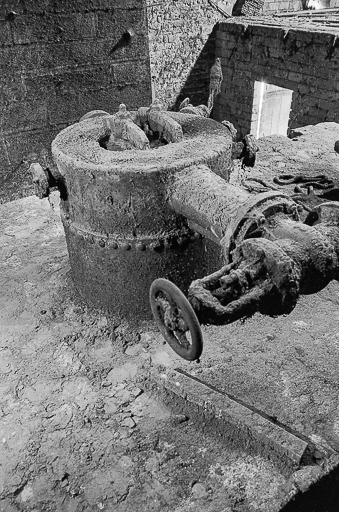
column 324, row 20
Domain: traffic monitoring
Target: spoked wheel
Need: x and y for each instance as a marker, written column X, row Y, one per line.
column 176, row 319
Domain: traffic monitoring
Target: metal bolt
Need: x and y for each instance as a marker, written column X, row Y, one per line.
column 115, row 245
column 102, row 243
column 126, row 246
column 294, row 211
column 140, row 246
column 129, row 33
column 11, row 15
column 156, row 246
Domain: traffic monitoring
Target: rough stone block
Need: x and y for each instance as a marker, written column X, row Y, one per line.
column 327, row 105
column 136, row 49
column 71, row 81
column 295, row 77
column 238, row 423
column 90, row 5
column 5, row 34
column 81, row 52
column 29, row 29
column 332, row 115
column 51, row 28
column 125, row 74
column 30, row 146
column 68, row 108
column 67, row 6
column 19, row 116
column 39, row 87
column 4, row 160
column 114, row 24
column 11, row 89
column 28, row 6
column 323, row 39
column 22, row 58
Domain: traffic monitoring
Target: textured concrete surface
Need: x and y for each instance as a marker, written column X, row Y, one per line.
column 78, row 432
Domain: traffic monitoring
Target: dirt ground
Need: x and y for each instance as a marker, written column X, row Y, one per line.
column 78, row 430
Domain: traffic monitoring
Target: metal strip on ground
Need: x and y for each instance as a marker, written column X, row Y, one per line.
column 240, row 424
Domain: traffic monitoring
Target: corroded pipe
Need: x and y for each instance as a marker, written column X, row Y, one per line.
column 270, row 268
column 206, row 200
column 225, row 213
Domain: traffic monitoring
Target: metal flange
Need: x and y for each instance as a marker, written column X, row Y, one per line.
column 253, row 214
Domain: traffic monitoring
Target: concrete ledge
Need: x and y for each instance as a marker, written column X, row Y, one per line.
column 241, row 425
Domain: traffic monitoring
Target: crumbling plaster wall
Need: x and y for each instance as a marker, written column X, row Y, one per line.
column 182, row 48
column 305, row 62
column 57, row 62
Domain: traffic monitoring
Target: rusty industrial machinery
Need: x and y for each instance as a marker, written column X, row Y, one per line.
column 270, row 256
column 146, row 203
column 116, row 176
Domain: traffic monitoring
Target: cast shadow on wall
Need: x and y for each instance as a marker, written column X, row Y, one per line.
column 196, row 87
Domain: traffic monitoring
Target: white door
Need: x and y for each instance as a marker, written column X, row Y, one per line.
column 271, row 109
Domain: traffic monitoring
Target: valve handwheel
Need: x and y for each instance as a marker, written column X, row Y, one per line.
column 175, row 316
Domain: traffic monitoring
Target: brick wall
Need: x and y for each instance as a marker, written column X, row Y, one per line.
column 271, row 6
column 58, row 60
column 303, row 61
column 182, row 48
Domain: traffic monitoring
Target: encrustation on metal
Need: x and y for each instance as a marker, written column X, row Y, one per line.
column 145, row 197
column 274, row 258
column 118, row 173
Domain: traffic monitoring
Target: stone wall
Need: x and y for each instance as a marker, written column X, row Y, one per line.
column 305, row 62
column 182, row 48
column 58, row 60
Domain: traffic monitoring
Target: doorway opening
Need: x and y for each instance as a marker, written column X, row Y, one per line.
column 271, row 110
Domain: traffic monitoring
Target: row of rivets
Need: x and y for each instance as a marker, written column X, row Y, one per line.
column 156, row 245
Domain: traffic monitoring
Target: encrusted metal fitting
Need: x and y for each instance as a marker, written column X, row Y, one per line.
column 126, row 246
column 140, row 246
column 157, row 245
